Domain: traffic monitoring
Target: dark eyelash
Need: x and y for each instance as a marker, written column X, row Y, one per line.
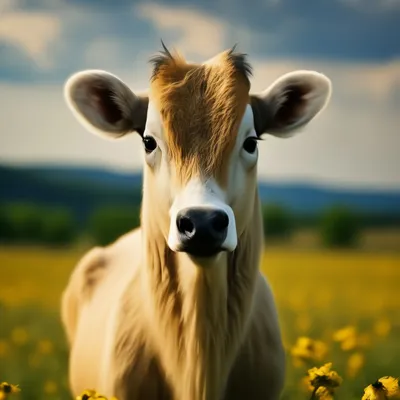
column 254, row 137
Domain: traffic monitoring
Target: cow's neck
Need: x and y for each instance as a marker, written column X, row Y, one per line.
column 198, row 314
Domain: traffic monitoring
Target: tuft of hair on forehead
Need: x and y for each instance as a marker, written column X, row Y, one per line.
column 201, row 107
column 165, row 59
column 239, row 60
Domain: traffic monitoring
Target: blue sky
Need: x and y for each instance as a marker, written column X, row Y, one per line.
column 355, row 42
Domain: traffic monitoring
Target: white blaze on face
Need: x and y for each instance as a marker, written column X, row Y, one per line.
column 201, row 195
column 208, row 195
column 215, row 215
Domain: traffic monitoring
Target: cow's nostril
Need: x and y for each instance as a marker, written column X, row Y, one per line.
column 186, row 226
column 220, row 221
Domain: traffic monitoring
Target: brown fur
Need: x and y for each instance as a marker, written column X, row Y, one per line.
column 201, row 107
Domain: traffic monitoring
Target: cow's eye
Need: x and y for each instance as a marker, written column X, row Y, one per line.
column 250, row 145
column 150, row 144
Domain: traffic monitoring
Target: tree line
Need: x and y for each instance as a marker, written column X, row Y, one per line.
column 28, row 223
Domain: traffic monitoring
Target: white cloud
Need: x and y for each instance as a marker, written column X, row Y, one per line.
column 31, row 31
column 199, row 33
column 354, row 141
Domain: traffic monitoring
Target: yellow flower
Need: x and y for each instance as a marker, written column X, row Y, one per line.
column 50, row 387
column 324, row 393
column 19, row 336
column 383, row 389
column 344, row 333
column 307, row 349
column 392, row 386
column 372, row 393
column 305, row 384
column 6, row 389
column 100, row 397
column 88, row 394
column 354, row 364
column 349, row 338
column 324, row 377
column 91, row 394
column 9, row 388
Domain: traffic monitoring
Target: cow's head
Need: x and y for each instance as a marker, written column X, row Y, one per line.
column 200, row 128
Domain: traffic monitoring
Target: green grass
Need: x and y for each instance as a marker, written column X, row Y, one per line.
column 317, row 292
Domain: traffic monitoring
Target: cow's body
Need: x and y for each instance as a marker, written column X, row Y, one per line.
column 257, row 372
column 178, row 308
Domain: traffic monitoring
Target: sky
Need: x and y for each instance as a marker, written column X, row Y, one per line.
column 355, row 142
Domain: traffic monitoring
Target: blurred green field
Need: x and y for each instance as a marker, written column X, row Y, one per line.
column 318, row 292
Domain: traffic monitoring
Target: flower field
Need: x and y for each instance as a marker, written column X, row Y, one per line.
column 339, row 307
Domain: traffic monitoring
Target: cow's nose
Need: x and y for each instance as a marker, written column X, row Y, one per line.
column 202, row 232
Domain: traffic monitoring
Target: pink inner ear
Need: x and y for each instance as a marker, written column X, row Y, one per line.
column 294, row 104
column 101, row 99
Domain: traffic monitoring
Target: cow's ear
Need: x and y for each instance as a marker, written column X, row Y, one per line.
column 104, row 104
column 290, row 103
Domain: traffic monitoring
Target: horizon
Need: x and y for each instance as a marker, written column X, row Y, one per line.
column 285, row 182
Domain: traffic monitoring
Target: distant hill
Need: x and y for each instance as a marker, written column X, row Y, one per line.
column 86, row 175
column 82, row 189
column 311, row 199
column 79, row 189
